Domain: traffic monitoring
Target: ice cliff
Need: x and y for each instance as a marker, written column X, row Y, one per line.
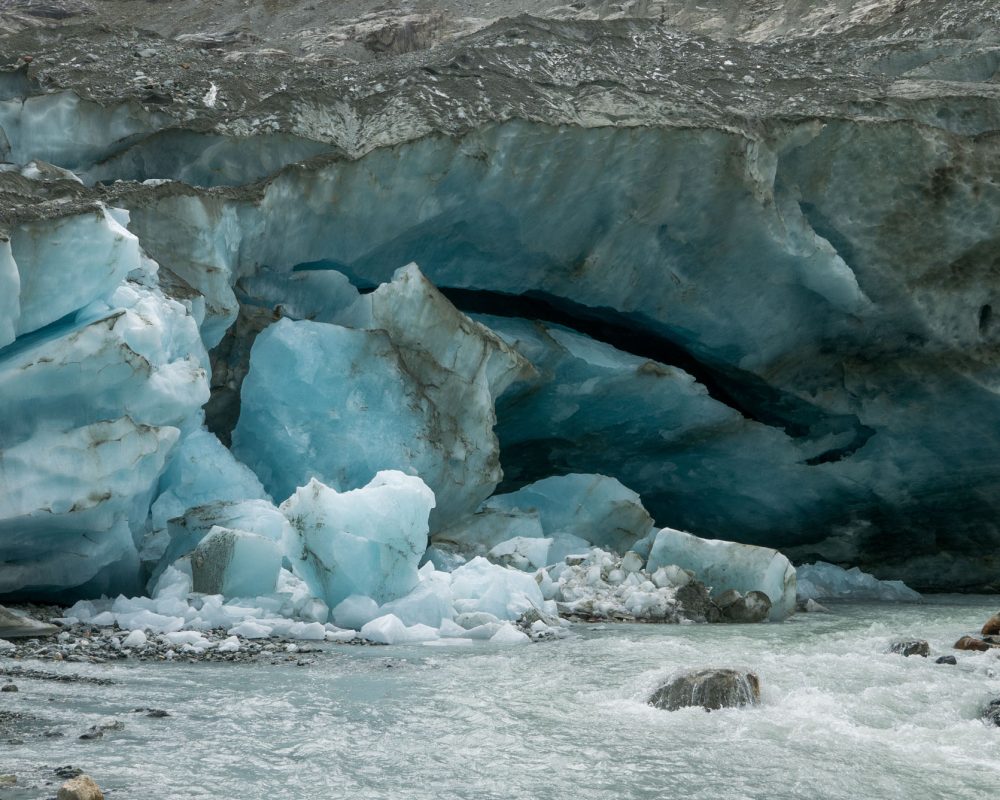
column 728, row 268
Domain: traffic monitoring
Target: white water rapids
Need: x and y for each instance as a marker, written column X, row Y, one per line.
column 840, row 718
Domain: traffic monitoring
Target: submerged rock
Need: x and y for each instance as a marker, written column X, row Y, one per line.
column 991, row 714
column 911, row 647
column 946, row 660
column 711, row 689
column 992, row 626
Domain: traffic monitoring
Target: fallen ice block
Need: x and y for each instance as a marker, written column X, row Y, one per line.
column 368, row 541
column 823, row 581
column 728, row 565
column 505, row 593
column 235, row 563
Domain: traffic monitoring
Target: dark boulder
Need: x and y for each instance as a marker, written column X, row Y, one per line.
column 710, row 689
column 911, row 647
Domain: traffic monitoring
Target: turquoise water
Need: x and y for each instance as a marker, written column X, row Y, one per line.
column 566, row 719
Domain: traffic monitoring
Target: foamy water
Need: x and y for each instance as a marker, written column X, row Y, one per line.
column 840, row 718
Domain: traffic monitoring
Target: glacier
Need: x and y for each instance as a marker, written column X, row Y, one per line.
column 538, row 267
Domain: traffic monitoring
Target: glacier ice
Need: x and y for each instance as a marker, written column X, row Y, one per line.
column 366, row 541
column 592, row 507
column 235, row 563
column 67, row 263
column 823, row 581
column 729, row 565
column 480, row 586
column 419, row 398
column 67, row 502
column 571, row 512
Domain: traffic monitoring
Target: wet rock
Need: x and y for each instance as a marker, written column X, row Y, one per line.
column 697, row 604
column 751, row 607
column 991, row 714
column 709, row 688
column 81, row 787
column 21, row 626
column 7, row 781
column 67, row 772
column 992, row 626
column 8, row 687
column 911, row 647
column 946, row 660
column 971, row 643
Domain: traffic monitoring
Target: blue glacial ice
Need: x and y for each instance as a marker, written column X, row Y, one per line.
column 366, row 541
column 823, row 581
column 235, row 563
column 545, row 521
column 100, row 384
column 405, row 382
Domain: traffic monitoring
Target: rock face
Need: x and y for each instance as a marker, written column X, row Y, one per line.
column 752, row 249
column 710, row 689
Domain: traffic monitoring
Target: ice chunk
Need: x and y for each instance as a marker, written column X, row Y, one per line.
column 419, row 398
column 229, row 645
column 728, row 565
column 823, row 581
column 201, row 471
column 508, row 634
column 593, row 507
column 355, row 611
column 255, row 516
column 235, row 563
column 136, row 638
column 522, row 553
column 576, row 511
column 367, row 541
column 430, row 603
column 389, row 629
column 504, row 593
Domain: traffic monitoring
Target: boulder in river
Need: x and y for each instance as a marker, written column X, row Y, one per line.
column 81, row 787
column 752, row 607
column 21, row 626
column 972, row 643
column 911, row 647
column 946, row 660
column 992, row 626
column 991, row 714
column 710, row 689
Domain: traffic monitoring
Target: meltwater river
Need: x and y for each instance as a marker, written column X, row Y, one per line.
column 840, row 718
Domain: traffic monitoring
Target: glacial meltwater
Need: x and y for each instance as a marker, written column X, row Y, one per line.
column 839, row 718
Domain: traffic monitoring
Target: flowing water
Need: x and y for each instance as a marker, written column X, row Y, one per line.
column 839, row 718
